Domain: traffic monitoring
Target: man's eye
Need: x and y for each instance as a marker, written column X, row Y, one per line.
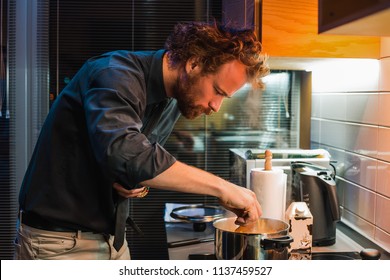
column 219, row 92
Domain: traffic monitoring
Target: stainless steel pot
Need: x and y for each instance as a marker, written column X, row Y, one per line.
column 266, row 239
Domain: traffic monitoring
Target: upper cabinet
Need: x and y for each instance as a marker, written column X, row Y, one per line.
column 290, row 29
column 354, row 17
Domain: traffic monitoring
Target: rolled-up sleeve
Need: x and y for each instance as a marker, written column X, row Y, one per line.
column 114, row 105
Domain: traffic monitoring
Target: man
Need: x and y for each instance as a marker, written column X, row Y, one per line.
column 102, row 141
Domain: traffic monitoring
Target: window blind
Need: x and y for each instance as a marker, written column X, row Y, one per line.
column 80, row 29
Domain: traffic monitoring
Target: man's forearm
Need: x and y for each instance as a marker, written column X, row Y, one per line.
column 184, row 178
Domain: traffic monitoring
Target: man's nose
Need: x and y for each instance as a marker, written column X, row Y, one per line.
column 215, row 104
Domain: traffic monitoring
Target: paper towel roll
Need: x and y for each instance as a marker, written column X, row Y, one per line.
column 270, row 189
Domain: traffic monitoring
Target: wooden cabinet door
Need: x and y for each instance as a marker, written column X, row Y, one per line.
column 290, row 29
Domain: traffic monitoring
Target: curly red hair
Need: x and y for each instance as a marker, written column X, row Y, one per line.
column 213, row 45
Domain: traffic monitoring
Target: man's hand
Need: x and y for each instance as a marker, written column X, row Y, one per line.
column 243, row 203
column 138, row 192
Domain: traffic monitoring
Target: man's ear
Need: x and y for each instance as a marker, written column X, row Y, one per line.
column 192, row 65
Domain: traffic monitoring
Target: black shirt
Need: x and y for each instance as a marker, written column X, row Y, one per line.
column 92, row 138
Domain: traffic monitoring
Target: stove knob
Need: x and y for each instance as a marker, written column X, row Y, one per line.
column 370, row 254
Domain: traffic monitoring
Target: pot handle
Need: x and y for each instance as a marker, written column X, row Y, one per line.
column 276, row 243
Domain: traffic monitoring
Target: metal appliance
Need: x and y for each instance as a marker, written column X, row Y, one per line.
column 316, row 186
column 241, row 164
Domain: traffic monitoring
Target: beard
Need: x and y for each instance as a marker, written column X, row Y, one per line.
column 185, row 94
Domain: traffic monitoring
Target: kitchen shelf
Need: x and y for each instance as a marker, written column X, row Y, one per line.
column 354, row 17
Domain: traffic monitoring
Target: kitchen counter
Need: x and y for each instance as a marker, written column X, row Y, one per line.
column 183, row 241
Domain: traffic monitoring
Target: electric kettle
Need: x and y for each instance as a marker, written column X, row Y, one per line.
column 316, row 186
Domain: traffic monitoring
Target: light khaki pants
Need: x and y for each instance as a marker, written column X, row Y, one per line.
column 37, row 244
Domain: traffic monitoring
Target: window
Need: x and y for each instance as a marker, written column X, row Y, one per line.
column 70, row 31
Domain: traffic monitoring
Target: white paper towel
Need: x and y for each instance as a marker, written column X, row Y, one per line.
column 270, row 189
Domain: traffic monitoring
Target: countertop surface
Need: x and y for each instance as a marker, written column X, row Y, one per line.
column 184, row 241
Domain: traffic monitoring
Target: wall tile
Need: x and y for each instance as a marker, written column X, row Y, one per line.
column 383, row 178
column 362, row 226
column 315, row 130
column 351, row 119
column 383, row 109
column 314, row 145
column 384, row 79
column 333, row 106
column 360, row 170
column 384, row 143
column 345, row 75
column 362, row 108
column 382, row 213
column 361, row 139
column 316, row 105
column 359, row 201
column 333, row 134
column 383, row 239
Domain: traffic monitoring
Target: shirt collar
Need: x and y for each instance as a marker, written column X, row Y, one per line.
column 155, row 84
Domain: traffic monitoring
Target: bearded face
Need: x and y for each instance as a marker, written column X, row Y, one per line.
column 187, row 93
column 198, row 94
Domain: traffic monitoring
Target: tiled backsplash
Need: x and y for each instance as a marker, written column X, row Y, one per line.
column 353, row 124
